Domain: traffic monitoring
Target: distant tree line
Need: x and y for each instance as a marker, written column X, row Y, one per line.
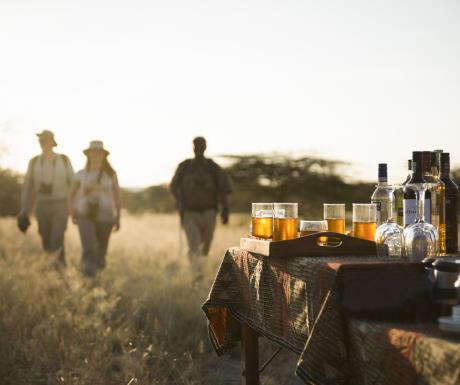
column 255, row 178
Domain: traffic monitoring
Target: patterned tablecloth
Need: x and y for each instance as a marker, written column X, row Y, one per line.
column 304, row 305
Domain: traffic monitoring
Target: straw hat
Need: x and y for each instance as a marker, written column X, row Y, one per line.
column 96, row 145
column 47, row 134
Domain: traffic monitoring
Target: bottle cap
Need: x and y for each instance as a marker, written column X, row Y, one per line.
column 445, row 162
column 383, row 174
column 417, row 161
column 426, row 161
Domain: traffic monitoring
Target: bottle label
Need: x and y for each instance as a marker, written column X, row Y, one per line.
column 428, row 210
column 378, row 205
column 410, row 211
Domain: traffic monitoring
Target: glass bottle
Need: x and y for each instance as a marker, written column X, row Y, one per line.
column 451, row 198
column 438, row 209
column 426, row 165
column 381, row 196
column 410, row 196
column 420, row 238
column 399, row 196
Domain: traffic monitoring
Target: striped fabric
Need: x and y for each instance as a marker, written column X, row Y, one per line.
column 304, row 304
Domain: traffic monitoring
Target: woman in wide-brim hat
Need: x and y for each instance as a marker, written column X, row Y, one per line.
column 95, row 205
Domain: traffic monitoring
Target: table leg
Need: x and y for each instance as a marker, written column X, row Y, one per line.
column 249, row 356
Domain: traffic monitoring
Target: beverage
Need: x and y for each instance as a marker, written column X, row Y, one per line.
column 285, row 224
column 399, row 196
column 451, row 198
column 364, row 220
column 438, row 202
column 262, row 220
column 409, row 197
column 364, row 230
column 334, row 214
column 285, row 228
column 262, row 227
column 336, row 225
column 381, row 197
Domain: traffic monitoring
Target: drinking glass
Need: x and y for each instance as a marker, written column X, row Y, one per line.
column 312, row 227
column 364, row 220
column 285, row 221
column 389, row 235
column 420, row 238
column 262, row 220
column 334, row 214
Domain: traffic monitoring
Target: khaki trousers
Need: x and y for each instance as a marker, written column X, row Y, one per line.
column 52, row 222
column 199, row 229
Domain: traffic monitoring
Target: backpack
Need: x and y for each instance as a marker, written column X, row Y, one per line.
column 199, row 185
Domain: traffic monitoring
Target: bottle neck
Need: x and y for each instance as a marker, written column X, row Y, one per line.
column 445, row 171
column 417, row 173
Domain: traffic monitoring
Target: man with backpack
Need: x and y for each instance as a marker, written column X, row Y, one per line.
column 47, row 184
column 199, row 187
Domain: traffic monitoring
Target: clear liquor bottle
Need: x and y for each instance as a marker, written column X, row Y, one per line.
column 381, row 196
column 399, row 196
column 451, row 196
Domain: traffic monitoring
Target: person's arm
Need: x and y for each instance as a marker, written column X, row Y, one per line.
column 71, row 200
column 28, row 190
column 225, row 211
column 224, row 188
column 117, row 197
column 70, row 174
column 174, row 186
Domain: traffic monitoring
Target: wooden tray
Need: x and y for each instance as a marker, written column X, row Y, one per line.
column 311, row 246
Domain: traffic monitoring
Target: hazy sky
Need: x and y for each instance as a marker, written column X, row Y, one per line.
column 363, row 81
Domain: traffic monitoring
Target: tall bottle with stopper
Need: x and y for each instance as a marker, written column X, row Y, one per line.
column 381, row 197
column 399, row 196
column 451, row 198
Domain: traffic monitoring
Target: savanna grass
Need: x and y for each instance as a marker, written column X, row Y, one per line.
column 140, row 321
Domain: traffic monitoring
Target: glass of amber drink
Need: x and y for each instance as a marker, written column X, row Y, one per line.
column 262, row 220
column 364, row 220
column 312, row 227
column 334, row 214
column 285, row 221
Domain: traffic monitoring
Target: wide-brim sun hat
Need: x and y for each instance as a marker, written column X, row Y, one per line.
column 48, row 135
column 96, row 145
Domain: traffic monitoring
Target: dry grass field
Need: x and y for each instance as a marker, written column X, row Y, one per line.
column 139, row 322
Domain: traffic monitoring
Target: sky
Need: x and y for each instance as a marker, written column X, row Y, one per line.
column 360, row 81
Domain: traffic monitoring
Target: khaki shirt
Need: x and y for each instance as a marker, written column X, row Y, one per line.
column 55, row 175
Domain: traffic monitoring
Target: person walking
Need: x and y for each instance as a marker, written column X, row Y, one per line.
column 199, row 186
column 47, row 184
column 95, row 204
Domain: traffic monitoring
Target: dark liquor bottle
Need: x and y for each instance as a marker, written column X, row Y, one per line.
column 409, row 198
column 399, row 195
column 451, row 198
column 426, row 159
